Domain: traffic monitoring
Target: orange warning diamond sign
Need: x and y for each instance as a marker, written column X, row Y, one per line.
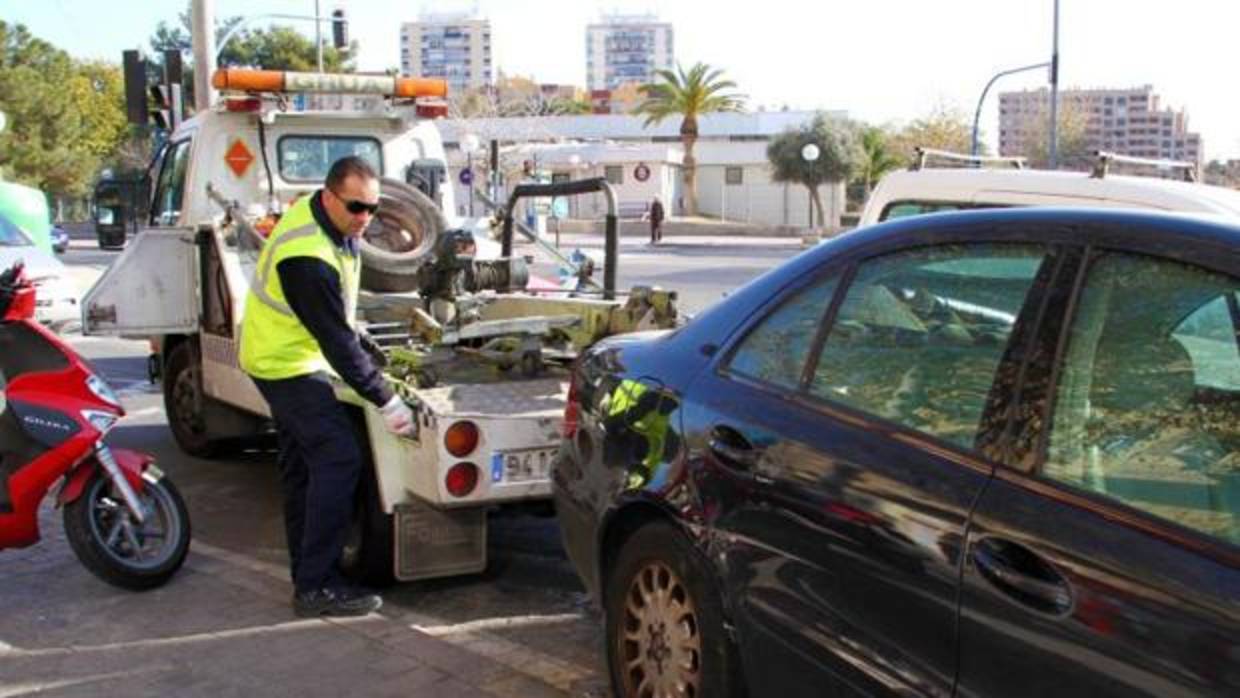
column 238, row 158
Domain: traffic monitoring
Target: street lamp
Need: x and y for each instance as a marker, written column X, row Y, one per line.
column 810, row 153
column 470, row 143
column 977, row 114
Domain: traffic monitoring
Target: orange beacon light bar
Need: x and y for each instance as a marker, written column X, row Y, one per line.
column 336, row 83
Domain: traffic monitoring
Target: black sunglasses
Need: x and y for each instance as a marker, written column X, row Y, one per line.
column 356, row 207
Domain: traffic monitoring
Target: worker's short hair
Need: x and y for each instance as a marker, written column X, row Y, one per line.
column 349, row 166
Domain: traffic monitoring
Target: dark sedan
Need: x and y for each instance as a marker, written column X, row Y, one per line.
column 993, row 453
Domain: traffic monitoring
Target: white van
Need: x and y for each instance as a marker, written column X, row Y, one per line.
column 928, row 190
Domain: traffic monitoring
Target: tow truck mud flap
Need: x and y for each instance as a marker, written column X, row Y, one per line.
column 433, row 542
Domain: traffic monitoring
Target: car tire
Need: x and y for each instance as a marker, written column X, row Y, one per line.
column 651, row 636
column 400, row 238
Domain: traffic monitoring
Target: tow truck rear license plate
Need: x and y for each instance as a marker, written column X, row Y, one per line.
column 524, row 465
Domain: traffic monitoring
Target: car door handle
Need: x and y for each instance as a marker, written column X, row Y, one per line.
column 1021, row 574
column 732, row 448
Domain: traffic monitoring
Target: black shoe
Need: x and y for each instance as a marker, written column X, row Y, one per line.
column 335, row 602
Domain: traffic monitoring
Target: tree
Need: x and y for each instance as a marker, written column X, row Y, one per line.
column 275, row 48
column 689, row 95
column 65, row 117
column 877, row 158
column 839, row 155
column 945, row 127
column 1073, row 151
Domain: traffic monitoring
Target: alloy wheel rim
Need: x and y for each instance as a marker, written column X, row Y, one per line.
column 146, row 545
column 660, row 641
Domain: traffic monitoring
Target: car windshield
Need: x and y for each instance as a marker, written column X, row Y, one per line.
column 11, row 235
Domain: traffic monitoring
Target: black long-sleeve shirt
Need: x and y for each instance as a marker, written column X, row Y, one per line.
column 312, row 289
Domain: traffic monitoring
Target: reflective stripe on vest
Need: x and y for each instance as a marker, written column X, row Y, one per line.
column 273, row 342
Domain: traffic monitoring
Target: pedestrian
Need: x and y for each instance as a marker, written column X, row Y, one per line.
column 299, row 330
column 656, row 221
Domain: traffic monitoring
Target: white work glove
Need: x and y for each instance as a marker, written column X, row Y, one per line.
column 397, row 416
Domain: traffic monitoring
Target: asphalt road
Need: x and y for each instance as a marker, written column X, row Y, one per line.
column 528, row 607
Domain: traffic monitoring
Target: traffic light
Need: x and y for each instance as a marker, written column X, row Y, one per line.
column 340, row 30
column 135, row 88
column 167, row 111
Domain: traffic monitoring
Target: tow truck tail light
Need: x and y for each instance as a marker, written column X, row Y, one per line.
column 461, row 479
column 248, row 104
column 461, row 439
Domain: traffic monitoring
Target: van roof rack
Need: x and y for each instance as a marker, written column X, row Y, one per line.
column 925, row 154
column 1106, row 159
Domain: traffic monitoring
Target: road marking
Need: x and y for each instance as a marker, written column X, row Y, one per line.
column 195, row 638
column 474, row 636
column 144, row 412
column 30, row 687
column 510, row 622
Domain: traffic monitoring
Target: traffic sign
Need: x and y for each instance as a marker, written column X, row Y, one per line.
column 466, row 176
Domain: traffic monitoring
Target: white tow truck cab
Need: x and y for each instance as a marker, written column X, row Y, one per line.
column 484, row 436
column 945, row 181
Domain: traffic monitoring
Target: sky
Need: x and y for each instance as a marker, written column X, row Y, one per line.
column 883, row 61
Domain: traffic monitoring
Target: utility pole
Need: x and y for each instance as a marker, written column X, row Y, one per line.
column 318, row 34
column 1054, row 145
column 202, row 28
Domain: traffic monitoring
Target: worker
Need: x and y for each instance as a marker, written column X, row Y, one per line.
column 298, row 331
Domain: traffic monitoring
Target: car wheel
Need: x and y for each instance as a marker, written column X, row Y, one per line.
column 664, row 621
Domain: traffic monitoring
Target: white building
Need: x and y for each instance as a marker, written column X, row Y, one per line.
column 455, row 47
column 627, row 49
column 733, row 175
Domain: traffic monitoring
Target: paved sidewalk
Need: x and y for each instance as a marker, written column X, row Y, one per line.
column 221, row 627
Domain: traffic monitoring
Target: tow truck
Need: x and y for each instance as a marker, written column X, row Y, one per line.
column 481, row 360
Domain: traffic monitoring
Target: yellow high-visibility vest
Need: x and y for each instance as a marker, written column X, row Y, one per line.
column 274, row 343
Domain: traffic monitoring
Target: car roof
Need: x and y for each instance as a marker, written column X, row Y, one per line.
column 975, row 185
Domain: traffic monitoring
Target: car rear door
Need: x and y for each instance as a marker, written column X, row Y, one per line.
column 843, row 462
column 1109, row 564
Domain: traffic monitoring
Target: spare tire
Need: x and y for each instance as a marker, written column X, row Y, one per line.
column 400, row 238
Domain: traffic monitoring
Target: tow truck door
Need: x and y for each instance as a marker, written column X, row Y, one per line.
column 151, row 289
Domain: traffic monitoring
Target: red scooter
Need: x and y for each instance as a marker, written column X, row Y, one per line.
column 125, row 521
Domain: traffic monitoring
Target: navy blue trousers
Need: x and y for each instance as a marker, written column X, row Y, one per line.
column 320, row 463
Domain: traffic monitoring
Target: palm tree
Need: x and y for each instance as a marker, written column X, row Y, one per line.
column 699, row 91
column 878, row 158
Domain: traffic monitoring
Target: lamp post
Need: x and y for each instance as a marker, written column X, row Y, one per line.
column 469, row 143
column 1054, row 145
column 810, row 153
column 977, row 114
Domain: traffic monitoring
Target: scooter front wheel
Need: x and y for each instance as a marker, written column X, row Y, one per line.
column 113, row 545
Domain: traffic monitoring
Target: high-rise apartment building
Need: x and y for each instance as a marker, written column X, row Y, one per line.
column 450, row 46
column 627, row 49
column 1124, row 121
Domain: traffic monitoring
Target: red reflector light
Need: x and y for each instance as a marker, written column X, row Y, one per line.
column 572, row 411
column 249, row 104
column 461, row 439
column 432, row 111
column 462, row 478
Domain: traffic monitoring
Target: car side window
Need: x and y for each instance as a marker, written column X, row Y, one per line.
column 170, row 190
column 920, row 335
column 1147, row 407
column 776, row 350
